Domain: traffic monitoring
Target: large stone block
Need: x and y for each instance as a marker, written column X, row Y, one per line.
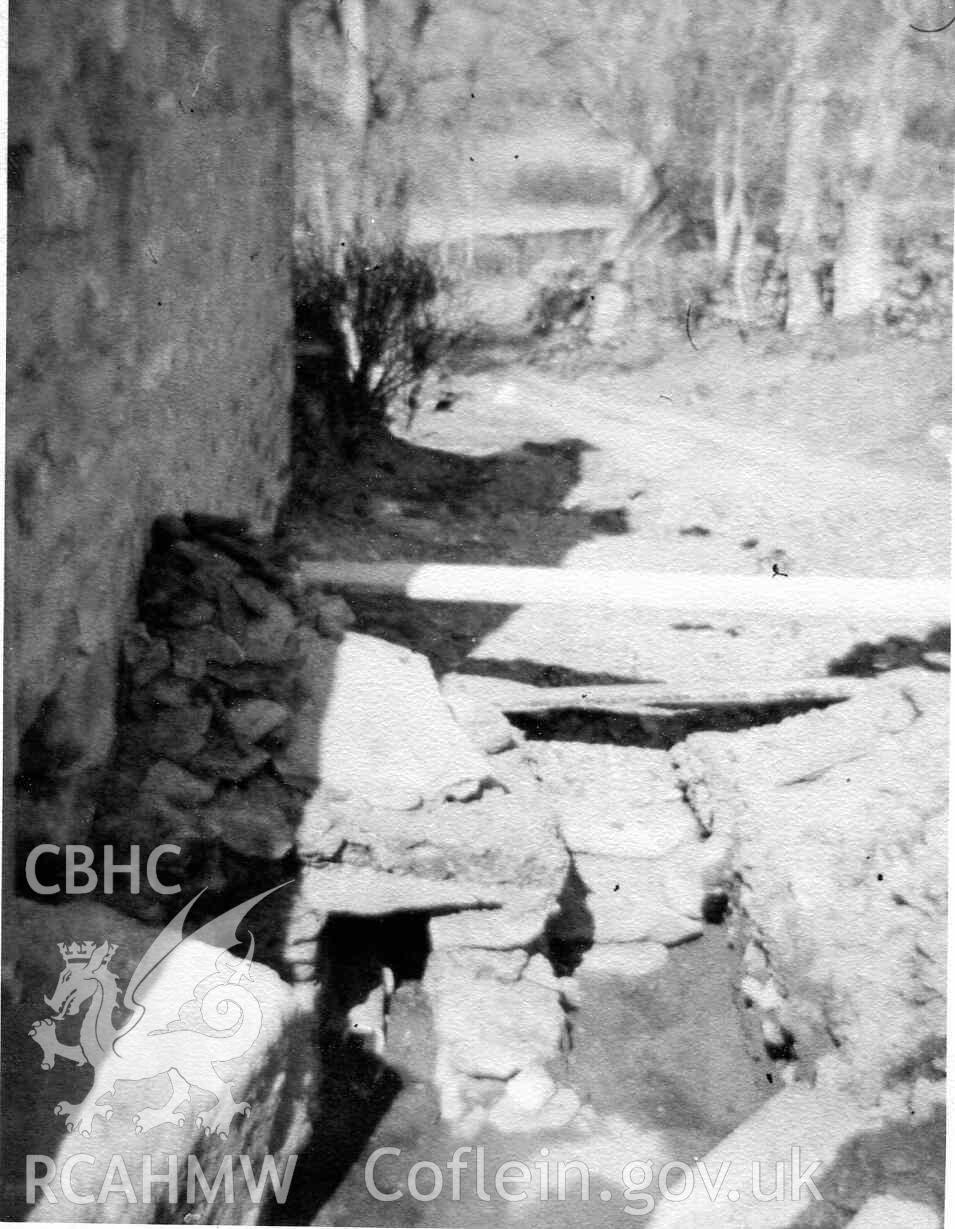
column 254, row 1099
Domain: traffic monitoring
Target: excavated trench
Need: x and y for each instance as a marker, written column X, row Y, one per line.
column 657, row 1056
column 662, row 1061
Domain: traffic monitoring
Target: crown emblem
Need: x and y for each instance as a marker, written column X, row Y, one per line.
column 79, row 953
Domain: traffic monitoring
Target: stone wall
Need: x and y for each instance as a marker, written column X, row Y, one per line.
column 149, row 343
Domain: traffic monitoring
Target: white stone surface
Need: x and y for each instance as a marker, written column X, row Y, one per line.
column 387, row 733
column 623, row 960
column 886, row 1212
column 795, row 1129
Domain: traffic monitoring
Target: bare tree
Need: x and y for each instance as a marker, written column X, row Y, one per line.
column 878, row 105
column 799, row 225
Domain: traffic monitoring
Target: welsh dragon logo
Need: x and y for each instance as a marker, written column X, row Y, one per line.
column 185, row 1010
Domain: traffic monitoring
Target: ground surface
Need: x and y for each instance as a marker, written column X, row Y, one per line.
column 725, row 458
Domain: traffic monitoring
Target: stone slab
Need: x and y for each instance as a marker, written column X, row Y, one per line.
column 798, row 1128
column 387, row 732
column 630, row 902
column 367, row 893
column 887, row 1212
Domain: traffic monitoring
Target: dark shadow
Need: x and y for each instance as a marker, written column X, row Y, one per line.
column 540, row 674
column 357, row 1087
column 902, row 1159
column 659, row 731
column 397, row 500
column 866, row 660
column 569, row 933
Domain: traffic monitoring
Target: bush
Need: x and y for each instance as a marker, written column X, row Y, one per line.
column 370, row 322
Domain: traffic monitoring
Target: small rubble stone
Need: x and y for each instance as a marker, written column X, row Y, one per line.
column 152, row 662
column 482, row 721
column 211, row 644
column 171, row 692
column 526, row 1095
column 266, row 638
column 464, row 791
column 297, row 762
column 251, row 821
column 192, row 613
column 531, row 1089
column 253, row 594
column 220, row 760
column 329, row 613
column 265, row 681
column 486, row 1024
column 320, row 818
column 169, row 782
column 136, row 644
column 559, row 1110
column 252, row 720
column 252, row 556
column 231, row 612
column 178, row 734
column 188, row 661
column 335, row 617
column 209, row 566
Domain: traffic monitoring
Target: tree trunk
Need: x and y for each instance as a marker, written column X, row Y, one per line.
column 356, row 104
column 744, row 289
column 728, row 214
column 799, row 228
column 469, row 213
column 724, row 218
column 858, row 273
column 800, row 225
column 858, row 268
column 639, row 189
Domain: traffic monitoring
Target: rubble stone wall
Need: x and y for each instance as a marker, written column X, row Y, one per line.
column 149, row 356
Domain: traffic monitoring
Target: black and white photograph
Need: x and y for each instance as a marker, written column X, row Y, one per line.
column 477, row 613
